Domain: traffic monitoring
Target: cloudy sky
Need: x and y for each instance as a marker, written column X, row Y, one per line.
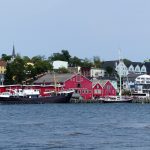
column 85, row 28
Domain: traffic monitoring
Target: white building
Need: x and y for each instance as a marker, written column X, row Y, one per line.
column 142, row 84
column 60, row 64
column 121, row 69
column 97, row 72
column 143, row 79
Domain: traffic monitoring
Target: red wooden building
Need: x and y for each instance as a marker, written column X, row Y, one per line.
column 103, row 88
column 108, row 89
column 97, row 90
column 80, row 85
column 89, row 89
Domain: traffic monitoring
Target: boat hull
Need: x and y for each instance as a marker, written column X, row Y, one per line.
column 128, row 101
column 118, row 101
column 39, row 100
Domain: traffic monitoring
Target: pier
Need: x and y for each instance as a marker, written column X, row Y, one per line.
column 135, row 100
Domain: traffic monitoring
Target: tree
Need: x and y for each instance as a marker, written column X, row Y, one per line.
column 127, row 62
column 26, row 59
column 97, row 62
column 63, row 56
column 15, row 72
column 37, row 58
column 86, row 63
column 109, row 70
column 66, row 55
column 74, row 62
column 6, row 57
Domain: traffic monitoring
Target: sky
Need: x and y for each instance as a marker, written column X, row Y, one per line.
column 85, row 28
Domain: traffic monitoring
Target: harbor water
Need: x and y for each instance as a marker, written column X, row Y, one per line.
column 75, row 127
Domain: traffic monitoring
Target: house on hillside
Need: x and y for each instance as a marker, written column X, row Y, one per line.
column 3, row 65
column 137, row 68
column 60, row 64
column 113, row 67
column 95, row 72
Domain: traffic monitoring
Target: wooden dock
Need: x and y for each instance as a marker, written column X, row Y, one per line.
column 73, row 100
column 136, row 100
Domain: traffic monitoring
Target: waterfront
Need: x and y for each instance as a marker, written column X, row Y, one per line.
column 75, row 126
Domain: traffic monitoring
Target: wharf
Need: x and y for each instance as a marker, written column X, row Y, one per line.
column 135, row 100
column 73, row 100
column 141, row 100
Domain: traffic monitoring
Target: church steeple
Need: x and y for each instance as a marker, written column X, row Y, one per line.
column 13, row 52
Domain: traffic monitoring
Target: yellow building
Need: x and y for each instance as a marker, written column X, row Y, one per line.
column 2, row 67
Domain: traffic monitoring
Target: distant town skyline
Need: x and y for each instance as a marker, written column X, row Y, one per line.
column 85, row 28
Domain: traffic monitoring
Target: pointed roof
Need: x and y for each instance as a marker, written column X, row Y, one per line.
column 3, row 63
column 13, row 52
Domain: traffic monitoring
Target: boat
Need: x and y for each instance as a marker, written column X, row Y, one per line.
column 32, row 96
column 117, row 99
column 120, row 98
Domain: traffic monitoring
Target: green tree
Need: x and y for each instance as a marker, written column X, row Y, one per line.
column 66, row 55
column 15, row 72
column 26, row 59
column 97, row 62
column 86, row 63
column 109, row 70
column 63, row 56
column 75, row 61
column 127, row 62
column 5, row 57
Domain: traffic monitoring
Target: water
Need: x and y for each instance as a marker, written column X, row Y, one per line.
column 75, row 126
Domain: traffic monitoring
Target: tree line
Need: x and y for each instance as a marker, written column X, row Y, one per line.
column 20, row 69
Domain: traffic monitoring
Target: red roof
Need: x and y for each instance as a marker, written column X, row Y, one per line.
column 3, row 63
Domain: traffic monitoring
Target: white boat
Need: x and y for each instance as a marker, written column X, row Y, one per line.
column 117, row 99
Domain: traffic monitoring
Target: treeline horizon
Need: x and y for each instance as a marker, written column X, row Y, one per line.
column 19, row 68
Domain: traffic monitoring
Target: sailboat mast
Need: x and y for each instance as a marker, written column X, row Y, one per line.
column 120, row 73
column 55, row 83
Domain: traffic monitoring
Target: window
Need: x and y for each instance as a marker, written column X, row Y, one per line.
column 95, row 91
column 78, row 85
column 99, row 91
column 78, row 78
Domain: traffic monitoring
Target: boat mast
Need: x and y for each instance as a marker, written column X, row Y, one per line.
column 55, row 83
column 120, row 93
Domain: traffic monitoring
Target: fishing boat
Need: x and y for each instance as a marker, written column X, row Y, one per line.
column 32, row 96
